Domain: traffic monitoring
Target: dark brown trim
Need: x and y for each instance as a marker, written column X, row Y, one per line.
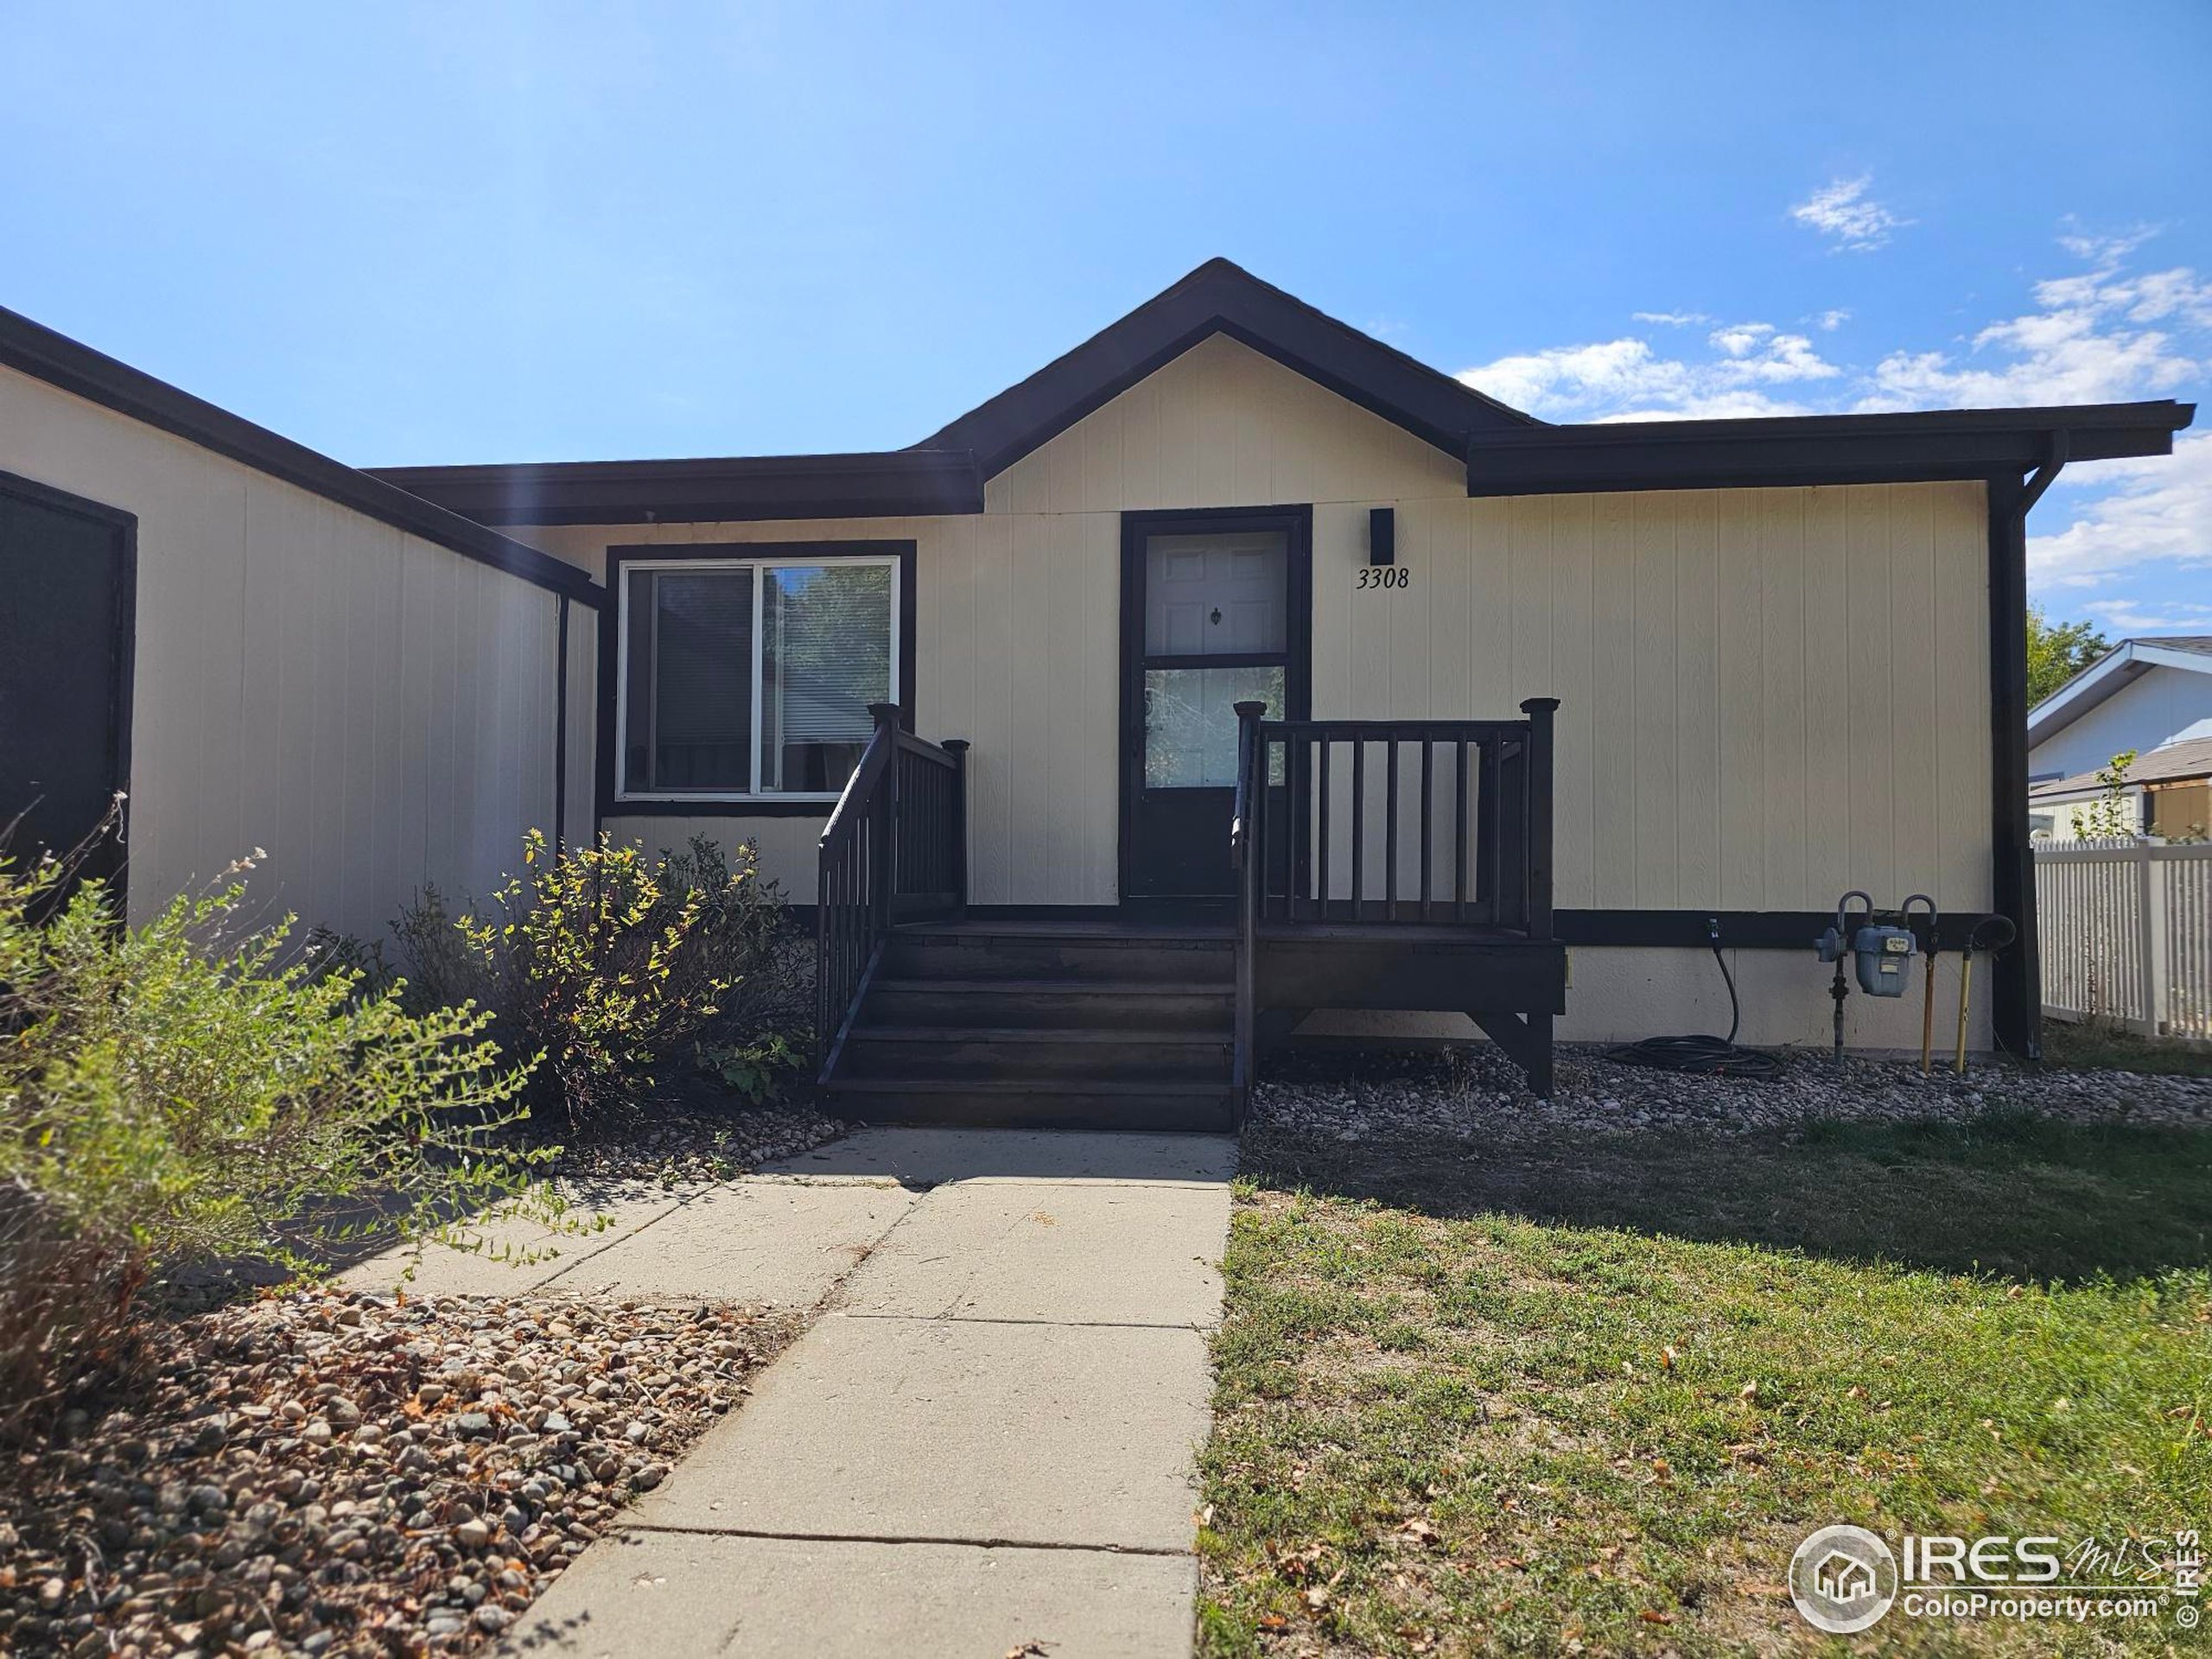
column 1786, row 931
column 1740, row 930
column 610, row 633
column 1220, row 297
column 2016, row 1007
column 123, row 689
column 1297, row 521
column 560, row 726
column 1812, row 449
column 898, row 484
column 39, row 352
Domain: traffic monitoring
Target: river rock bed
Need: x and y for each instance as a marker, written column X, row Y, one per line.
column 1474, row 1092
column 676, row 1140
column 329, row 1473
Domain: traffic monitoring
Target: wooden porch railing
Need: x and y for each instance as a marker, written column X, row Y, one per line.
column 895, row 849
column 1389, row 823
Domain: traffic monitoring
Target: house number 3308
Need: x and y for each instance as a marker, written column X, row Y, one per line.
column 1385, row 575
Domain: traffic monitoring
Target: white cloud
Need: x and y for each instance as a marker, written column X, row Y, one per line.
column 1844, row 212
column 2124, row 618
column 2155, row 510
column 2082, row 345
column 2103, row 247
column 1627, row 380
column 2104, row 334
column 1831, row 320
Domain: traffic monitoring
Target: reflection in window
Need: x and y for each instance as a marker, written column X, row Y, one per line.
column 714, row 655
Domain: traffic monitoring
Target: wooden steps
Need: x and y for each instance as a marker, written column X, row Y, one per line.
column 1030, row 1028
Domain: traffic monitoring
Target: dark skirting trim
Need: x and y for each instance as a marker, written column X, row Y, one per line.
column 39, row 352
column 1740, row 930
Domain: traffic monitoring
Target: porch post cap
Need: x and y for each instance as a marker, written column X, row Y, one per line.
column 1249, row 710
column 884, row 712
column 1531, row 705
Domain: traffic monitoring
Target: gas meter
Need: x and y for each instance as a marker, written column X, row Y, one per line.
column 1884, row 955
column 1881, row 953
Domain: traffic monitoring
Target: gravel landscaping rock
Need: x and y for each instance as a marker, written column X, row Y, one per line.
column 318, row 1474
column 1475, row 1092
column 678, row 1139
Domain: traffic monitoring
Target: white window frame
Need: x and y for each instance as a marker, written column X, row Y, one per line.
column 780, row 561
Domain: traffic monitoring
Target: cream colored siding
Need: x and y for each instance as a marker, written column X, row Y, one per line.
column 1767, row 695
column 374, row 709
column 1223, row 426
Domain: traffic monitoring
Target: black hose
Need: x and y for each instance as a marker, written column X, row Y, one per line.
column 1711, row 1057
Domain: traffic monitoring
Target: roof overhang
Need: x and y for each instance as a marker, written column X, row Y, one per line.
column 1912, row 448
column 2112, row 673
column 896, row 484
column 945, row 472
column 32, row 348
column 1220, row 297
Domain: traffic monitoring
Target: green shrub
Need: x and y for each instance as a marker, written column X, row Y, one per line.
column 617, row 968
column 193, row 1091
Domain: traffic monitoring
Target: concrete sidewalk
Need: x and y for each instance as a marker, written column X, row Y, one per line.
column 987, row 1441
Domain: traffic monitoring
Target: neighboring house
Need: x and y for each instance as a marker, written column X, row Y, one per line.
column 2167, row 793
column 1786, row 654
column 2153, row 695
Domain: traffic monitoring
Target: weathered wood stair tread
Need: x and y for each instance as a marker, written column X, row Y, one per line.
column 1175, row 1088
column 1039, row 1034
column 1033, row 985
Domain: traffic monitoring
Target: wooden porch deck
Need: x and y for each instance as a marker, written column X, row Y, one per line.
column 1158, row 1017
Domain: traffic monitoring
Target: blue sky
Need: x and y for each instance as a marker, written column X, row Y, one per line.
column 487, row 232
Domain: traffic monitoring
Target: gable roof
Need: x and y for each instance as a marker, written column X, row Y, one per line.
column 33, row 349
column 2113, row 673
column 1505, row 451
column 1221, row 297
column 2188, row 759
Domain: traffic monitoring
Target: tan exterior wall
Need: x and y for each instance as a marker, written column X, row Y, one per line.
column 1619, row 993
column 373, row 709
column 1721, row 744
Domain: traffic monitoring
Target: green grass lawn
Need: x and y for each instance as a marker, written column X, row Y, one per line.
column 2099, row 1045
column 1589, row 1398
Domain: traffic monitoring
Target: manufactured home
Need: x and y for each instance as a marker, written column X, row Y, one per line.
column 2151, row 697
column 1235, row 677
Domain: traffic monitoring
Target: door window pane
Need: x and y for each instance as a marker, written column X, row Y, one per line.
column 1220, row 594
column 825, row 634
column 1190, row 722
column 688, row 696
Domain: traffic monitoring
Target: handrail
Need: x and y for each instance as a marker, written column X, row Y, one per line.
column 1494, row 793
column 1246, row 868
column 894, row 848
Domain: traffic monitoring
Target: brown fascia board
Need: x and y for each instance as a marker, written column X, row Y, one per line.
column 895, row 484
column 33, row 349
column 944, row 473
column 1917, row 447
column 1220, row 297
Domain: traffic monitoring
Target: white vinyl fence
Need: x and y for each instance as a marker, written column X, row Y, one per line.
column 2127, row 931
